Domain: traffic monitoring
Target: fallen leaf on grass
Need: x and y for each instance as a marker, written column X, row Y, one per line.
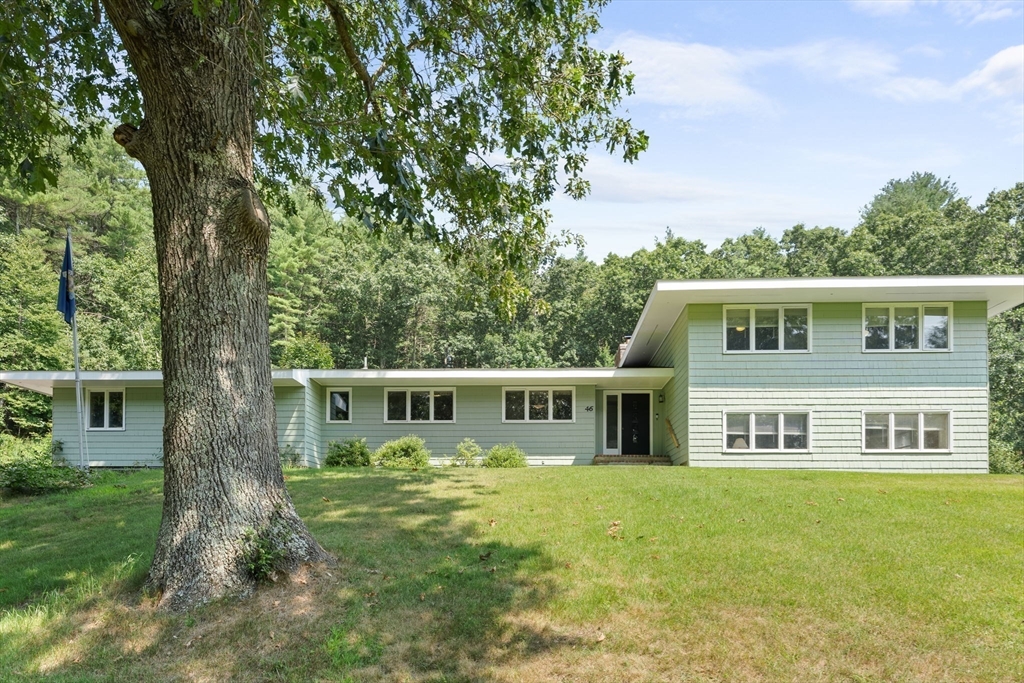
column 276, row 603
column 810, row 502
column 840, row 500
column 325, row 499
column 423, row 596
column 655, row 557
column 493, row 569
column 882, row 491
column 492, row 521
column 600, row 637
column 485, row 556
column 568, row 565
column 599, row 507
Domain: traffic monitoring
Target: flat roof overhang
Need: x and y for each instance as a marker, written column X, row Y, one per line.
column 670, row 297
column 601, row 378
column 44, row 382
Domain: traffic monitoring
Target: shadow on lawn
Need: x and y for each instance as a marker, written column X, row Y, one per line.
column 424, row 590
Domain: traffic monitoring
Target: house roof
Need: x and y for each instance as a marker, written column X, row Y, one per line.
column 670, row 297
column 602, row 378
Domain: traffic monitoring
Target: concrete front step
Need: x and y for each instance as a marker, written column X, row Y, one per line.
column 632, row 460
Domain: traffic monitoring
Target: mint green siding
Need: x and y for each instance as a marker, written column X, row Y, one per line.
column 836, row 383
column 139, row 443
column 836, row 358
column 478, row 415
column 675, row 353
column 291, row 417
column 315, row 405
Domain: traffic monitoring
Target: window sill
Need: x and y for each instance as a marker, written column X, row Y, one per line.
column 338, row 422
column 903, row 351
column 105, row 429
column 767, row 353
column 418, row 422
column 538, row 422
column 763, row 451
column 908, row 452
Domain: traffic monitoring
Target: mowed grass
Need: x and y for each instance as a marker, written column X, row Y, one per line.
column 579, row 574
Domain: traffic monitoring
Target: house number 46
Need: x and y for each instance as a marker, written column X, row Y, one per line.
column 589, row 409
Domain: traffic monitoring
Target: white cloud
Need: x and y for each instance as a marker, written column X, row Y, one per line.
column 883, row 8
column 963, row 11
column 1001, row 76
column 701, row 80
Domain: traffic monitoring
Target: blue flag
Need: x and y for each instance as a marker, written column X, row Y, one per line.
column 66, row 293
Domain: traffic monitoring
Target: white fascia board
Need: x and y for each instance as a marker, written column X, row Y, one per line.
column 670, row 297
column 599, row 377
column 44, row 381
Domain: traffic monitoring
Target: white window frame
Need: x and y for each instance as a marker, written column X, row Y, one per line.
column 408, row 405
column 551, row 405
column 106, row 409
column 892, row 327
column 752, row 308
column 327, row 415
column 920, row 432
column 781, row 426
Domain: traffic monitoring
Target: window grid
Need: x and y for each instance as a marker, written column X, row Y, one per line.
column 106, row 410
column 433, row 395
column 752, row 317
column 753, row 430
column 921, row 434
column 549, row 393
column 892, row 331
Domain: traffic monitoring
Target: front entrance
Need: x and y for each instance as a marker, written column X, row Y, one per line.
column 627, row 423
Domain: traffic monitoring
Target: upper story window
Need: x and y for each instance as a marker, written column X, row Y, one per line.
column 907, row 327
column 339, row 405
column 539, row 405
column 106, row 409
column 767, row 328
column 419, row 405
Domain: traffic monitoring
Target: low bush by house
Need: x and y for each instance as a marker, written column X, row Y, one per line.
column 409, row 451
column 35, row 466
column 348, row 453
column 467, row 454
column 505, row 455
column 1002, row 459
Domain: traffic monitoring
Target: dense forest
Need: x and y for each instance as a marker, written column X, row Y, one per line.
column 340, row 294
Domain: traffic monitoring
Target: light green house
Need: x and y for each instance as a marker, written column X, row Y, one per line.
column 822, row 373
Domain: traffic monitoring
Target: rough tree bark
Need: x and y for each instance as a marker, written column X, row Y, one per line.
column 222, row 476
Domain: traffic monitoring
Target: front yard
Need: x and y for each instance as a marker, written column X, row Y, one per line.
column 583, row 574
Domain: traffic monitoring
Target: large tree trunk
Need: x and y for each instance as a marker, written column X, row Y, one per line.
column 223, row 483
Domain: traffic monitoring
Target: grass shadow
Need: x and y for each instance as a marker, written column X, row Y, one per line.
column 423, row 589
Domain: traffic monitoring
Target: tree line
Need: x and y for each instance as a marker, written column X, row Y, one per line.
column 341, row 295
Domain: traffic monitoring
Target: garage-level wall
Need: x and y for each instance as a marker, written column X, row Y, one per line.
column 478, row 415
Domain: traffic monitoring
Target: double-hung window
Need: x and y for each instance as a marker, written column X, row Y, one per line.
column 767, row 328
column 419, row 405
column 106, row 409
column 907, row 327
column 904, row 431
column 768, row 431
column 538, row 405
column 339, row 405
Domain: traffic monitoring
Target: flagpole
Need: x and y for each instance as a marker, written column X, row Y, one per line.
column 83, row 462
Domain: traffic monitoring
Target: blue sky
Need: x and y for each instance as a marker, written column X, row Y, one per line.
column 771, row 114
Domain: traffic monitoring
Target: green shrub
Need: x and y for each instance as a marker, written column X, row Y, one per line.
column 505, row 455
column 467, row 454
column 348, row 453
column 1002, row 459
column 35, row 466
column 409, row 451
column 290, row 456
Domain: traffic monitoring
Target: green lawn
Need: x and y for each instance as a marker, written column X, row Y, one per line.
column 589, row 574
